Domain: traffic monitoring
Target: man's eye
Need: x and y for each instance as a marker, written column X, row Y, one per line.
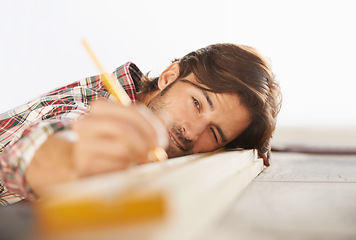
column 216, row 138
column 196, row 103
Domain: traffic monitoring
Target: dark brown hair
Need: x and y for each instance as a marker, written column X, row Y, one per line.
column 242, row 70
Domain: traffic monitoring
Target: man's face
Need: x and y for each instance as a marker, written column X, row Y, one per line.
column 198, row 120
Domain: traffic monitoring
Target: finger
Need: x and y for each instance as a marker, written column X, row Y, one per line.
column 117, row 131
column 157, row 124
column 128, row 115
column 94, row 126
column 101, row 155
column 126, row 137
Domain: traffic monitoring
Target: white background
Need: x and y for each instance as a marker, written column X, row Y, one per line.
column 311, row 46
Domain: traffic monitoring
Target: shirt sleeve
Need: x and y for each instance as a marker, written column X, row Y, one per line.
column 24, row 129
column 15, row 159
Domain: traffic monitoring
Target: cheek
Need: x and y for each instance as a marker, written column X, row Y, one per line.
column 173, row 114
column 181, row 112
column 204, row 144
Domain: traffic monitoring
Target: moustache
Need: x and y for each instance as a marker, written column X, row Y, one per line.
column 186, row 143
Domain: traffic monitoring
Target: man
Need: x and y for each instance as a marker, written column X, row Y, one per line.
column 221, row 95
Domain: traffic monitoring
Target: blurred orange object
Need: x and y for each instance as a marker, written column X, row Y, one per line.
column 56, row 217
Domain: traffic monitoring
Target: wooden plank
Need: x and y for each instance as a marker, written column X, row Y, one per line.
column 196, row 210
column 299, row 197
column 198, row 190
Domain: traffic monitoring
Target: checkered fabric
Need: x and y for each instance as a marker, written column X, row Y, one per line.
column 25, row 128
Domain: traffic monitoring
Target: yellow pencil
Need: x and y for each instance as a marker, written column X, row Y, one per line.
column 159, row 154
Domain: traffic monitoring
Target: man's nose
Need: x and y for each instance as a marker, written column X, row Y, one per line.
column 192, row 130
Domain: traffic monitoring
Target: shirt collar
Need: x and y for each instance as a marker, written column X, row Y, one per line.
column 129, row 76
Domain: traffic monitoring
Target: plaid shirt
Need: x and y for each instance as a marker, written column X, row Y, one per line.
column 25, row 128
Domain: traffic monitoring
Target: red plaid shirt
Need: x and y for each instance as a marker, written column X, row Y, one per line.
column 25, row 128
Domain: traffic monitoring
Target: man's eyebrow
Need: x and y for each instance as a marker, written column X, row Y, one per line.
column 204, row 90
column 211, row 105
column 208, row 99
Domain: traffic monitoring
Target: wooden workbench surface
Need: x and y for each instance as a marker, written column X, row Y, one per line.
column 301, row 196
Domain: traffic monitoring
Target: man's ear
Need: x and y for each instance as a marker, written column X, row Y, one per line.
column 168, row 76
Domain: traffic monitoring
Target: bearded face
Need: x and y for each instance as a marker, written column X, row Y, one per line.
column 198, row 120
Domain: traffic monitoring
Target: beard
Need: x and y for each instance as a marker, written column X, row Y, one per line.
column 162, row 107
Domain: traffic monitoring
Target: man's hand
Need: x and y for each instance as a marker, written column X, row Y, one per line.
column 111, row 137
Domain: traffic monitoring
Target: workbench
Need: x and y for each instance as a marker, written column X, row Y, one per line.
column 300, row 196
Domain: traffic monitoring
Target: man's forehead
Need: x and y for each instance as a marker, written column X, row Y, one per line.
column 193, row 81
